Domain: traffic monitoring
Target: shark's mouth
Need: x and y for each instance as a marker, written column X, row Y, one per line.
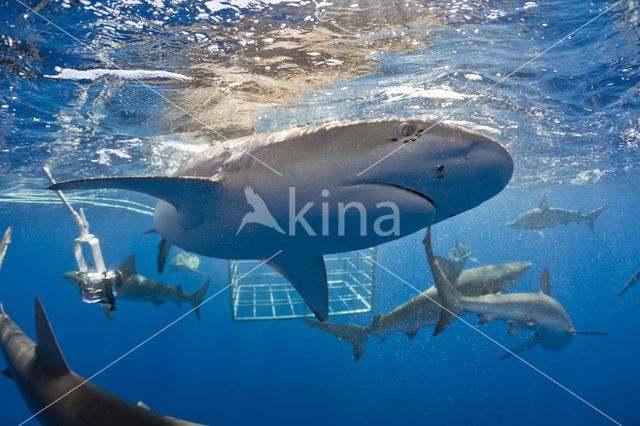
column 412, row 191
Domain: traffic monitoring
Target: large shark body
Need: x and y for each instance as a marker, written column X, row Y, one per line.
column 424, row 309
column 47, row 383
column 318, row 190
column 544, row 216
column 135, row 287
column 538, row 312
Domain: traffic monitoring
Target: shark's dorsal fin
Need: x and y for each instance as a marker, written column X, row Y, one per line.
column 545, row 283
column 6, row 373
column 128, row 267
column 309, row 276
column 47, row 349
column 190, row 195
column 448, row 268
column 544, row 203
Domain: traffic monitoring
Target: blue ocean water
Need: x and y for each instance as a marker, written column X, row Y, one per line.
column 561, row 95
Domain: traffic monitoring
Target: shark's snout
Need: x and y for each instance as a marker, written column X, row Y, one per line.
column 494, row 157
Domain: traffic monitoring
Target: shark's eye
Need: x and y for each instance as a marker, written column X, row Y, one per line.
column 406, row 129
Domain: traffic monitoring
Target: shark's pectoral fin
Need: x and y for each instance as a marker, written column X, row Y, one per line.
column 411, row 333
column 309, row 276
column 515, row 328
column 163, row 252
column 157, row 302
column 446, row 318
column 523, row 347
column 47, row 348
column 484, row 319
column 106, row 308
column 190, row 195
column 6, row 373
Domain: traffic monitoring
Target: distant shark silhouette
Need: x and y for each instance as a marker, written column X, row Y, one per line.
column 260, row 213
column 544, row 216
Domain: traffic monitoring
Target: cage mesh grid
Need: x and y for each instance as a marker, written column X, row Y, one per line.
column 264, row 294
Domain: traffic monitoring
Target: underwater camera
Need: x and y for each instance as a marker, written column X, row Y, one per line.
column 99, row 287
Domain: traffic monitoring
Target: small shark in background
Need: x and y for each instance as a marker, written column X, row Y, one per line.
column 538, row 312
column 424, row 309
column 460, row 254
column 634, row 279
column 547, row 217
column 137, row 288
column 57, row 394
column 4, row 243
column 186, row 262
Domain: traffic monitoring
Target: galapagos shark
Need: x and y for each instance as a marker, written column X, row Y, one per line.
column 55, row 393
column 325, row 186
column 538, row 312
column 135, row 287
column 424, row 309
column 544, row 216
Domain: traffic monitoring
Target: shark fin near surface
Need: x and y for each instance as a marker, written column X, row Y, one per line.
column 197, row 296
column 191, row 210
column 535, row 340
column 354, row 334
column 47, row 348
column 309, row 277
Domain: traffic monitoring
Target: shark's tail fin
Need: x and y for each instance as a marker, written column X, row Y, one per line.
column 591, row 217
column 197, row 296
column 448, row 294
column 354, row 334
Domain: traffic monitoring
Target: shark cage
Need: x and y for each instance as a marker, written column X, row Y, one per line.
column 258, row 292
